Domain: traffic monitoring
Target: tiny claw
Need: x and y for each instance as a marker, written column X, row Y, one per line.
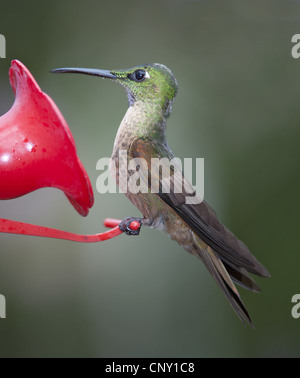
column 131, row 226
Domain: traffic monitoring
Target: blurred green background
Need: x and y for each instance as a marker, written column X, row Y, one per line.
column 237, row 106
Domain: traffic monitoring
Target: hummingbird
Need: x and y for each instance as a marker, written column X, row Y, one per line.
column 151, row 90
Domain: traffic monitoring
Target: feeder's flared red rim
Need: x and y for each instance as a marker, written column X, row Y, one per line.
column 34, row 124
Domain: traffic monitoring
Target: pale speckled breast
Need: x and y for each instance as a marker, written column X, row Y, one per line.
column 157, row 213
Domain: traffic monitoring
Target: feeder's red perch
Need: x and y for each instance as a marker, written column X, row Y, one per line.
column 14, row 227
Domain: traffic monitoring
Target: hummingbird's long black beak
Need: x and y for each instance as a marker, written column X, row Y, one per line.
column 86, row 71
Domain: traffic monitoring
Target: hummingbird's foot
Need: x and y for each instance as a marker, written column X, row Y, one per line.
column 131, row 225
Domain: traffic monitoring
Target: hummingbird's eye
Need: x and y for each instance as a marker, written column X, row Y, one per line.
column 138, row 75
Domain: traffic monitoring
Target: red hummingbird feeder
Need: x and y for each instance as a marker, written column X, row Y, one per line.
column 37, row 150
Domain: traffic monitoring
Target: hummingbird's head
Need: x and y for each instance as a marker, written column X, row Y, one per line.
column 154, row 83
column 151, row 83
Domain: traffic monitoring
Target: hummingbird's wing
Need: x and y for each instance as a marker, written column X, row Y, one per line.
column 225, row 256
column 200, row 217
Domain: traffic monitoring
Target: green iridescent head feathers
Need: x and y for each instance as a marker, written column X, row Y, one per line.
column 154, row 83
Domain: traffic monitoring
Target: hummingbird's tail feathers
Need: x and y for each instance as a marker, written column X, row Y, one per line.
column 218, row 271
column 241, row 277
column 202, row 219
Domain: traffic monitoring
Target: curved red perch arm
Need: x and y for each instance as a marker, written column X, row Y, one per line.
column 14, row 227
